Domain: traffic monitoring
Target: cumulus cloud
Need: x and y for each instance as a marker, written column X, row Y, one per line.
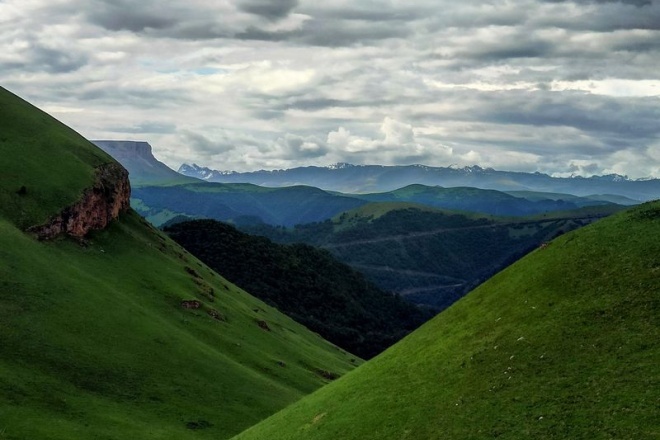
column 559, row 86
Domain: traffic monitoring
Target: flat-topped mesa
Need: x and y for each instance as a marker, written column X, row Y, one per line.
column 122, row 150
column 98, row 206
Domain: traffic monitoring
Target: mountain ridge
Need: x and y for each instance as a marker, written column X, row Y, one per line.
column 379, row 178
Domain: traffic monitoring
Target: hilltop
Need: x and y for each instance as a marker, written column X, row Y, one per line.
column 562, row 344
column 109, row 329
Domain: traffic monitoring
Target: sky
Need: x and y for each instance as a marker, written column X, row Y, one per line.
column 560, row 87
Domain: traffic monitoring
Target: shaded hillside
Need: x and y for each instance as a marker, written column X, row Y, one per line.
column 240, row 203
column 428, row 256
column 308, row 284
column 119, row 333
column 349, row 178
column 563, row 344
column 144, row 168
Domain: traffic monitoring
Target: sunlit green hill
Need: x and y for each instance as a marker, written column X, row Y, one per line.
column 564, row 344
column 123, row 334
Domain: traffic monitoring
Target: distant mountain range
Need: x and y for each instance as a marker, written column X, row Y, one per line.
column 349, row 178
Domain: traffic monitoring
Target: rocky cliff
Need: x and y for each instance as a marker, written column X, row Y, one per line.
column 98, row 206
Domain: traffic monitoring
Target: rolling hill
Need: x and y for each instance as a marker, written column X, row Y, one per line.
column 110, row 330
column 240, row 203
column 563, row 344
column 485, row 201
column 430, row 256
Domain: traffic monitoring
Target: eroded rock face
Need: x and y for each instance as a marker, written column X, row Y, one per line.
column 98, row 206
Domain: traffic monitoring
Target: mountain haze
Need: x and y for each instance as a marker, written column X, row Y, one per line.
column 349, row 178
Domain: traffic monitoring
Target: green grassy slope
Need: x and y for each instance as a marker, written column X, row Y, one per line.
column 54, row 163
column 563, row 344
column 94, row 341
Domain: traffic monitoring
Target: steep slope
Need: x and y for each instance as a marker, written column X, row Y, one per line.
column 112, row 331
column 563, row 344
column 306, row 283
column 137, row 157
column 45, row 165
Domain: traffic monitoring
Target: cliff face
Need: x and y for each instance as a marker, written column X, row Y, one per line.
column 137, row 157
column 98, row 206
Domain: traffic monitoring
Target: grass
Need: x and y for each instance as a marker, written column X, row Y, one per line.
column 34, row 145
column 94, row 341
column 563, row 344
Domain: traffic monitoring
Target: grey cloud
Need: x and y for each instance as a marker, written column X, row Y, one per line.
column 257, row 34
column 146, row 127
column 514, row 47
column 638, row 3
column 57, row 61
column 630, row 118
column 296, row 146
column 146, row 99
column 328, row 34
column 269, row 9
column 204, row 145
column 608, row 16
column 118, row 16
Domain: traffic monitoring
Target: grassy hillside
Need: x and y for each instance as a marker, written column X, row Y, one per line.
column 306, row 283
column 96, row 341
column 53, row 163
column 563, row 344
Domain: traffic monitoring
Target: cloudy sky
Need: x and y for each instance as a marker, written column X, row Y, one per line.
column 563, row 87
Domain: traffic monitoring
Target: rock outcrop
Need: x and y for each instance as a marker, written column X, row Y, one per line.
column 98, row 206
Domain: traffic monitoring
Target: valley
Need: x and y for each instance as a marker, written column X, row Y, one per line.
column 109, row 328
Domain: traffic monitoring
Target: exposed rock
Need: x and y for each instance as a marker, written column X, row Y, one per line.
column 98, row 206
column 263, row 325
column 191, row 304
column 216, row 315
